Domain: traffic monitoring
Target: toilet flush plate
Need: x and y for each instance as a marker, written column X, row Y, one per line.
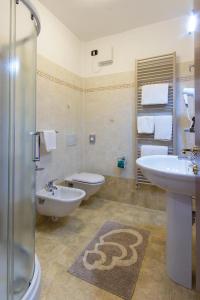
column 71, row 140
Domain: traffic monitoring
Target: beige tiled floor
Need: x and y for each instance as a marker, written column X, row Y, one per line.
column 58, row 244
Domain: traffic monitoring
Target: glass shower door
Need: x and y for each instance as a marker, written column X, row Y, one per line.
column 18, row 38
column 197, row 137
column 4, row 144
column 24, row 166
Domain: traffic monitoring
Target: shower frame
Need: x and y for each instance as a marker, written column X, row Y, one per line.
column 11, row 64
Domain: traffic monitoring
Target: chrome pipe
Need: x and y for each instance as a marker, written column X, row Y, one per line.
column 34, row 14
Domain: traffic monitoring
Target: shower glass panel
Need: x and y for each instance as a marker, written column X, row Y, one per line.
column 18, row 38
column 4, row 143
column 24, row 168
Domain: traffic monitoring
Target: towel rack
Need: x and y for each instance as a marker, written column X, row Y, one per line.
column 152, row 70
column 38, row 132
column 37, row 146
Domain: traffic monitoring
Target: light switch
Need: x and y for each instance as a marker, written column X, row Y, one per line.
column 92, row 138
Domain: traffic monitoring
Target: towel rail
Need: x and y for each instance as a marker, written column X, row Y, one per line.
column 38, row 132
column 37, row 147
column 153, row 70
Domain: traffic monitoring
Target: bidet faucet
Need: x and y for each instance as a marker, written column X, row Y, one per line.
column 50, row 187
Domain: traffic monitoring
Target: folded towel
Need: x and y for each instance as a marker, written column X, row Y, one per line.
column 145, row 124
column 49, row 139
column 163, row 128
column 153, row 150
column 155, row 94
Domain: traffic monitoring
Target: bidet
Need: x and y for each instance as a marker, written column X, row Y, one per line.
column 58, row 202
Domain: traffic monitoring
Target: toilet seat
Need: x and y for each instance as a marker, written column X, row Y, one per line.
column 89, row 178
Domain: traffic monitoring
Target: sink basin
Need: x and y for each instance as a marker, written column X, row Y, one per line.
column 169, row 173
column 60, row 202
column 177, row 178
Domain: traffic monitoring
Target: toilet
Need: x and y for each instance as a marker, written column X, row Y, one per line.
column 89, row 182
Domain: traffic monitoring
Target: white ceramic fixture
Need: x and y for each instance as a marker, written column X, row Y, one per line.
column 177, row 178
column 59, row 202
column 89, row 182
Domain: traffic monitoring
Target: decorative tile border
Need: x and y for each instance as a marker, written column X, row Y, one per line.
column 119, row 86
column 131, row 85
column 59, row 81
column 111, row 87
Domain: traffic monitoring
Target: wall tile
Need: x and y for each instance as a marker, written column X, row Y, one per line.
column 105, row 106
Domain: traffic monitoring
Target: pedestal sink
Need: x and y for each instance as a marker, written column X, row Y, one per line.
column 177, row 178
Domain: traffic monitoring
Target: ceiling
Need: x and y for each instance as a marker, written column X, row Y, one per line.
column 91, row 19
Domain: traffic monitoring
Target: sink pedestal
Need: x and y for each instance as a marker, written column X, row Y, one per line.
column 176, row 176
column 179, row 238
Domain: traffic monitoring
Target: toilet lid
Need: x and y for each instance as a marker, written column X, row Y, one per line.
column 88, row 178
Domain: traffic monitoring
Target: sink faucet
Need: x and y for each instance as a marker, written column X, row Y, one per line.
column 50, row 187
column 194, row 156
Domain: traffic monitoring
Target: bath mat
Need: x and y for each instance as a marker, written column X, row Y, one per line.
column 112, row 260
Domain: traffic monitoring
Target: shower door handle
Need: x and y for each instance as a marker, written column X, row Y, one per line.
column 39, row 168
column 36, row 146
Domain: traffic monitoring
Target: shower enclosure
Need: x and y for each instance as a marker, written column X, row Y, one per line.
column 19, row 271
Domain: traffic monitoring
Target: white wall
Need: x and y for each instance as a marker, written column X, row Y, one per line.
column 155, row 39
column 57, row 43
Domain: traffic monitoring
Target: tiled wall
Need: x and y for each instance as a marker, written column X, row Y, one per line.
column 105, row 106
column 125, row 190
column 59, row 106
column 110, row 114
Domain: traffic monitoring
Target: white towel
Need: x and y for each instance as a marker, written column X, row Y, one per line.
column 163, row 128
column 49, row 139
column 155, row 94
column 145, row 124
column 153, row 150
